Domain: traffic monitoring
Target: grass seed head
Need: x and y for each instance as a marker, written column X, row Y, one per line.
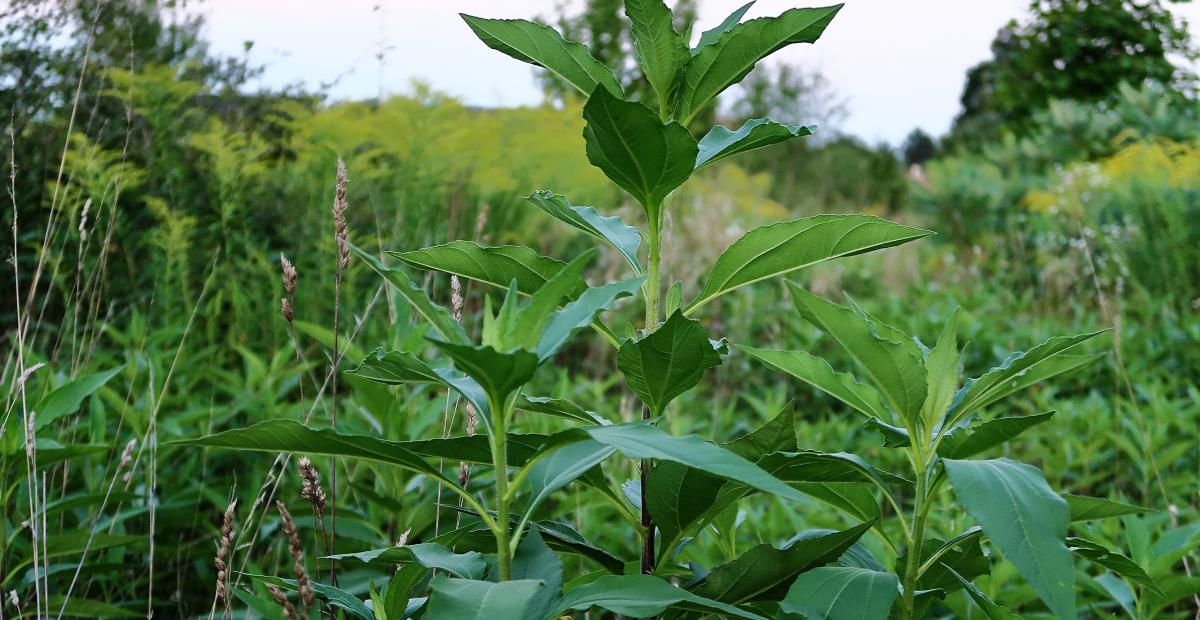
column 340, row 205
column 224, row 545
column 303, row 584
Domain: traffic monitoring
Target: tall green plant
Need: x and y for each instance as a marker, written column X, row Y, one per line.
column 686, row 483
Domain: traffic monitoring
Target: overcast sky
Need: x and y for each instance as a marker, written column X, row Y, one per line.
column 898, row 64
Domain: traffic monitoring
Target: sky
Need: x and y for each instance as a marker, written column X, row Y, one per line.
column 897, row 64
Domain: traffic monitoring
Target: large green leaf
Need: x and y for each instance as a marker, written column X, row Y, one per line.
column 661, row 51
column 1091, row 508
column 1025, row 519
column 497, row 265
column 776, row 249
column 724, row 63
column 642, row 596
column 642, row 441
column 544, row 47
column 668, row 362
column 469, row 565
column 842, row 593
column 498, row 373
column 962, row 555
column 818, row 373
column 437, row 316
column 967, row 442
column 941, row 371
column 1018, row 371
column 1100, row 555
column 464, row 599
column 561, row 466
column 582, row 312
column 624, row 238
column 709, row 37
column 559, row 408
column 534, row 560
column 637, row 151
column 890, row 358
column 828, row 467
column 720, row 142
column 764, row 572
column 66, row 399
column 395, row 368
column 292, row 436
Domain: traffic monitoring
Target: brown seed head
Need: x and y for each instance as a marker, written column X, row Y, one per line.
column 303, row 584
column 456, row 298
column 339, row 216
column 310, row 485
column 285, row 308
column 127, row 454
column 223, row 547
column 289, row 610
column 289, row 275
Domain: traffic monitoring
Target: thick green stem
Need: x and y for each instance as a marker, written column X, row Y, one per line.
column 652, row 293
column 501, row 530
column 916, row 538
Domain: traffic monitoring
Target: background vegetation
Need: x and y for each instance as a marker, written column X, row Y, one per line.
column 152, row 194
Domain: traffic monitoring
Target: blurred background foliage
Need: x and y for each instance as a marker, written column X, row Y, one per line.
column 1066, row 197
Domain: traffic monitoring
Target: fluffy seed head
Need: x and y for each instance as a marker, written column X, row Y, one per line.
column 87, row 206
column 285, row 308
column 310, row 485
column 223, row 547
column 289, row 610
column 456, row 298
column 289, row 275
column 127, row 454
column 339, row 215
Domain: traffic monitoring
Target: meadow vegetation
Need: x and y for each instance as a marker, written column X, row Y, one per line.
column 598, row 354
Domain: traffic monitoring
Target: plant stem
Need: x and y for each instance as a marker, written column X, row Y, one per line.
column 499, row 438
column 916, row 538
column 652, row 293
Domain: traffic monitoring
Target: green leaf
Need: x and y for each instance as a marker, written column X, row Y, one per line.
column 1100, row 555
column 470, row 565
column 497, row 265
column 642, row 596
column 84, row 608
column 559, row 408
column 709, row 37
column 941, row 370
column 66, row 399
column 395, row 368
column 532, row 319
column 336, row 596
column 763, row 572
column 544, row 47
column 437, row 316
column 499, row 374
column 624, row 238
column 890, row 358
column 720, row 142
column 853, row 498
column 814, row 466
column 967, row 442
column 661, row 51
column 292, row 436
column 668, row 362
column 464, row 599
column 962, row 555
column 990, row 609
column 580, row 313
column 818, row 373
column 842, row 593
column 1020, row 370
column 561, row 466
column 637, row 151
column 535, row 561
column 641, row 441
column 674, row 298
column 1091, row 508
column 776, row 249
column 726, row 61
column 1025, row 519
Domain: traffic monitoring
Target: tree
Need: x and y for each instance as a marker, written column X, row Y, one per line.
column 1072, row 49
column 918, row 147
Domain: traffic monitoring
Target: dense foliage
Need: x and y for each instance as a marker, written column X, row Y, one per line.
column 698, row 398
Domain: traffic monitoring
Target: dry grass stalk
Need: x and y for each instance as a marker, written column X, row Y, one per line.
column 303, row 584
column 289, row 610
column 341, row 236
column 224, row 545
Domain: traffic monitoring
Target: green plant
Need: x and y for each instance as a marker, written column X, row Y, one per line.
column 687, row 486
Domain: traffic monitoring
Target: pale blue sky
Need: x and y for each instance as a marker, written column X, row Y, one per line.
column 898, row 64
